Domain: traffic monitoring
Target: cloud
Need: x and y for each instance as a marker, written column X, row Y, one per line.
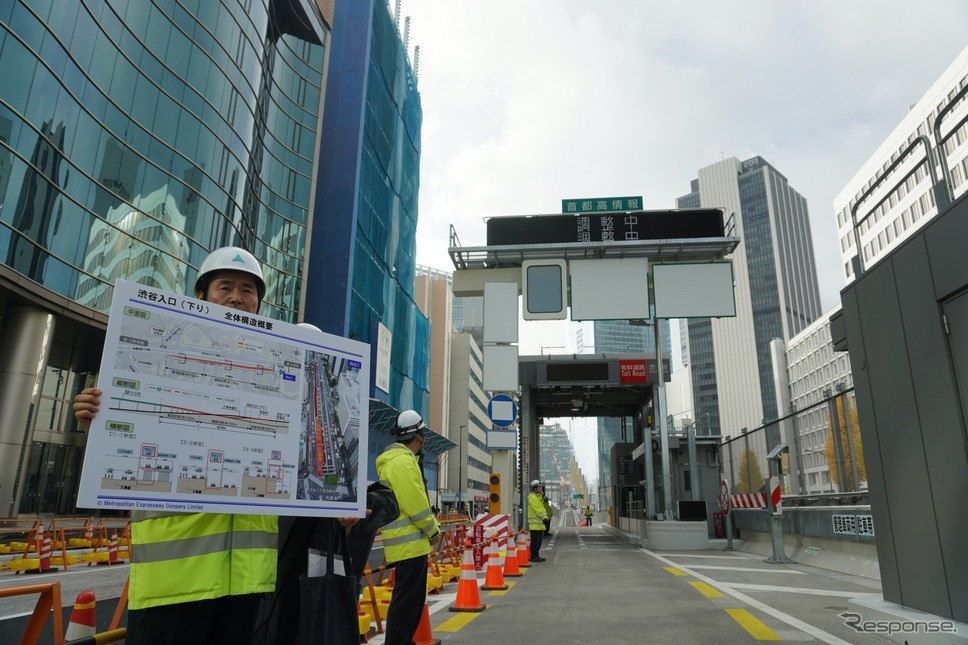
column 529, row 103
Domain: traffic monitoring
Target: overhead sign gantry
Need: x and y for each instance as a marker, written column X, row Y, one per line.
column 563, row 260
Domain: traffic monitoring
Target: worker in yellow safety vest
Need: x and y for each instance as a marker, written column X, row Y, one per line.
column 199, row 577
column 536, row 518
column 410, row 538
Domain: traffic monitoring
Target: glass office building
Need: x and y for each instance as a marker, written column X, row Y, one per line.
column 136, row 136
column 775, row 284
column 363, row 239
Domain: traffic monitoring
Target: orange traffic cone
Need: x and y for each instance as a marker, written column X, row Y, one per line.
column 523, row 553
column 494, row 580
column 113, row 549
column 82, row 617
column 468, row 595
column 423, row 635
column 511, row 569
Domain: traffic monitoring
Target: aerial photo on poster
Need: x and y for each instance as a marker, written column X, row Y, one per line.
column 208, row 409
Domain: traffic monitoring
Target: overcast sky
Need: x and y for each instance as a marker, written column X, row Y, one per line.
column 528, row 102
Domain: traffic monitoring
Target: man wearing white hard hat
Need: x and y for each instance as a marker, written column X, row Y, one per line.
column 409, row 539
column 536, row 519
column 199, row 577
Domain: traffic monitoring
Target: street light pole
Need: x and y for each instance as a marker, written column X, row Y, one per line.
column 460, row 468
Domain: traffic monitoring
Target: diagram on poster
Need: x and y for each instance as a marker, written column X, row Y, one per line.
column 208, row 409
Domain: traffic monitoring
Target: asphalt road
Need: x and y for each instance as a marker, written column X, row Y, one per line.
column 593, row 588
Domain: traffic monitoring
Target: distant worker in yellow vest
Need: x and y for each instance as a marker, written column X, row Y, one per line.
column 536, row 518
column 408, row 540
column 199, row 577
column 548, row 511
column 588, row 516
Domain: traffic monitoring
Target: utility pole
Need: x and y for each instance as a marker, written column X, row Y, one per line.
column 460, row 468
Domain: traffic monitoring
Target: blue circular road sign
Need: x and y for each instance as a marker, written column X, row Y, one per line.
column 502, row 410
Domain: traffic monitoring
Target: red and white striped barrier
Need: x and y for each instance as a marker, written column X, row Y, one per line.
column 758, row 500
column 749, row 500
column 484, row 527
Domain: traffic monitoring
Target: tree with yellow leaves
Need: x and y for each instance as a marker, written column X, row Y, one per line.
column 828, row 451
column 745, row 472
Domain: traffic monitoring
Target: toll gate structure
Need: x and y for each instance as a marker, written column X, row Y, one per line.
column 542, row 256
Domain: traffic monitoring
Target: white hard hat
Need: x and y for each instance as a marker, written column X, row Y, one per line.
column 230, row 258
column 408, row 422
column 536, row 482
column 309, row 326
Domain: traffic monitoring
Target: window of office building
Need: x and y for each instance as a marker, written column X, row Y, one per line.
column 138, row 136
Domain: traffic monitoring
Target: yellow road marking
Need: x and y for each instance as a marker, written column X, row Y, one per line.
column 707, row 590
column 457, row 622
column 676, row 572
column 501, row 592
column 752, row 624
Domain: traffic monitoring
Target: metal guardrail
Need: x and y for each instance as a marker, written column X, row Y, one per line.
column 940, row 190
column 939, row 141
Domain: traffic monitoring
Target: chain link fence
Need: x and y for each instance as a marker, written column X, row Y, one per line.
column 824, row 453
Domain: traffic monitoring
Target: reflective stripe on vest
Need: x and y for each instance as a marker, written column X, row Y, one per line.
column 201, row 556
column 535, row 512
column 407, row 536
column 203, row 545
column 408, row 520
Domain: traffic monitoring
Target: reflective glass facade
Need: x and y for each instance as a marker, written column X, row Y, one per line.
column 363, row 239
column 136, row 136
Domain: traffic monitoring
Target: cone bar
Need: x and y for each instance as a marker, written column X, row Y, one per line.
column 468, row 595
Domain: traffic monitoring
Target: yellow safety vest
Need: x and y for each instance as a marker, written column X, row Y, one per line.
column 410, row 534
column 200, row 556
column 536, row 512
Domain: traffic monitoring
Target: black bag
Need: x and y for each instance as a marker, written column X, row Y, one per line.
column 328, row 604
column 383, row 507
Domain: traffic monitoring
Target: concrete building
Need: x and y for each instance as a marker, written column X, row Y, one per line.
column 813, row 371
column 776, row 293
column 134, row 139
column 434, row 297
column 896, row 212
column 557, row 455
column 468, row 416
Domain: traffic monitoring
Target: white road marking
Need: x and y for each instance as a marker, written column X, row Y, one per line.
column 753, row 569
column 694, row 555
column 817, row 633
column 801, row 590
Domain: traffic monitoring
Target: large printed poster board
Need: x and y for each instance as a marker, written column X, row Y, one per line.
column 209, row 409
